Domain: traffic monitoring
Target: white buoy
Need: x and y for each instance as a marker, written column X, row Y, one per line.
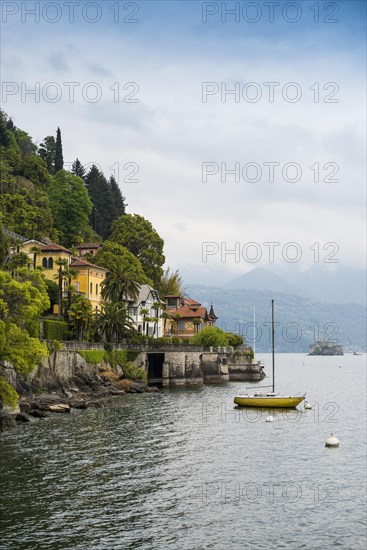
column 308, row 405
column 269, row 418
column 332, row 441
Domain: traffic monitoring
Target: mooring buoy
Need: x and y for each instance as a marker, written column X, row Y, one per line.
column 332, row 441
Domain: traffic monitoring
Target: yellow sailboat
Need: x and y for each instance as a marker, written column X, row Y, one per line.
column 269, row 400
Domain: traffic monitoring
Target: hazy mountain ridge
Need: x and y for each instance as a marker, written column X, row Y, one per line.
column 340, row 285
column 301, row 320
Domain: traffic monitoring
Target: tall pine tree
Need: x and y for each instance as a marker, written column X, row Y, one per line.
column 103, row 201
column 47, row 152
column 78, row 169
column 59, row 160
column 118, row 199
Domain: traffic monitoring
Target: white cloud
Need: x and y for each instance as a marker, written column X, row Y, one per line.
column 170, row 132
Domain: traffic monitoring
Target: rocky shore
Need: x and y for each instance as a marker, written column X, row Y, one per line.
column 85, row 390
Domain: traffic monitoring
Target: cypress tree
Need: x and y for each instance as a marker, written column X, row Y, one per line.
column 59, row 160
column 78, row 169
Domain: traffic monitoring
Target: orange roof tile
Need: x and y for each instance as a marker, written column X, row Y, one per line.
column 82, row 263
column 89, row 245
column 54, row 248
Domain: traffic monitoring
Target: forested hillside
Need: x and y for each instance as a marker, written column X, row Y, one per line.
column 38, row 199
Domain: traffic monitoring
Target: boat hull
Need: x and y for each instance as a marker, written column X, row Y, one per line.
column 271, row 402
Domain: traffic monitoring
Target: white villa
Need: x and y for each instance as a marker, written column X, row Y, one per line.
column 146, row 312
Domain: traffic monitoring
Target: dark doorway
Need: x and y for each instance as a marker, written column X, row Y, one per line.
column 155, row 368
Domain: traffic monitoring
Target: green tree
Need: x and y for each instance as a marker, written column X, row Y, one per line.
column 60, row 277
column 157, row 306
column 165, row 316
column 70, row 205
column 175, row 318
column 171, row 284
column 210, row 336
column 16, row 261
column 5, row 136
column 59, row 159
column 119, row 285
column 80, row 315
column 47, row 152
column 112, row 253
column 103, row 201
column 35, row 169
column 118, row 200
column 197, row 322
column 78, row 169
column 141, row 239
column 53, row 294
column 21, row 303
column 113, row 322
column 27, row 213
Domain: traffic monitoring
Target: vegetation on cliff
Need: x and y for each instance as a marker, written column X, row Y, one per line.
column 22, row 301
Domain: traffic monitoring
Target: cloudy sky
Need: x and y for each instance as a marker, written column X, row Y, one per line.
column 140, row 89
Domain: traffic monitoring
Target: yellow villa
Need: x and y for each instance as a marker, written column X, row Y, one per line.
column 89, row 279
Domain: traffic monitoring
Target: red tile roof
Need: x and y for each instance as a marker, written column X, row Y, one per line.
column 189, row 312
column 191, row 302
column 82, row 263
column 89, row 245
column 54, row 248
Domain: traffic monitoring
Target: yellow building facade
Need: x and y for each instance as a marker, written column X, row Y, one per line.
column 89, row 280
column 47, row 256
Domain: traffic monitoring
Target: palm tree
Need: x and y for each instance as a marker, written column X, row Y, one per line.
column 156, row 306
column 171, row 283
column 119, row 285
column 197, row 322
column 35, row 250
column 144, row 312
column 80, row 315
column 165, row 315
column 69, row 274
column 62, row 264
column 113, row 321
column 175, row 318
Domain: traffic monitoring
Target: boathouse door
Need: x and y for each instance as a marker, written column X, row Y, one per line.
column 155, row 369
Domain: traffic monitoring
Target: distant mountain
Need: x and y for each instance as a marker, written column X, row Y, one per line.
column 301, row 321
column 340, row 285
column 263, row 279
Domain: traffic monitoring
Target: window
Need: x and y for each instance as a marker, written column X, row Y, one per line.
column 181, row 326
column 50, row 263
column 44, row 263
column 91, row 288
column 96, row 289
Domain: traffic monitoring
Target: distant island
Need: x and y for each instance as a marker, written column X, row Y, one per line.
column 323, row 347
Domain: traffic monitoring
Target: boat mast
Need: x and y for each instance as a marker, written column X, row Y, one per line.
column 254, row 347
column 272, row 340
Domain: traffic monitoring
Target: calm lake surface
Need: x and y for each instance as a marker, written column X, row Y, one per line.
column 184, row 470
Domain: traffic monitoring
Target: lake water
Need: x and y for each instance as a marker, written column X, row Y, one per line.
column 184, row 470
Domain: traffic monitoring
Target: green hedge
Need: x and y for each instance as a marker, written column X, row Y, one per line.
column 93, row 356
column 55, row 330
